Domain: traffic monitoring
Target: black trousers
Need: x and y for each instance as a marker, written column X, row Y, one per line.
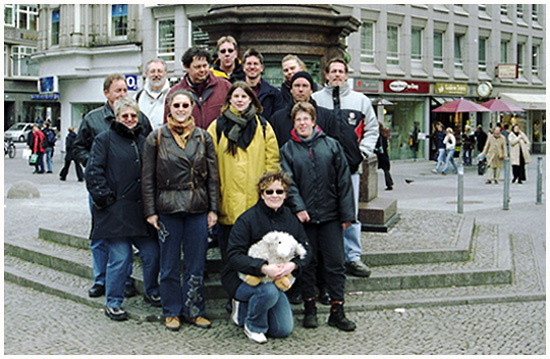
column 518, row 171
column 65, row 170
column 326, row 240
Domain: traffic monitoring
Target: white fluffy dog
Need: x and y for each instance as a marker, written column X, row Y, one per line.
column 275, row 247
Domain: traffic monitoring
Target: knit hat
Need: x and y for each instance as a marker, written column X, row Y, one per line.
column 305, row 75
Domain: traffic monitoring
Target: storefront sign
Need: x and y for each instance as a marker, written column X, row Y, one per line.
column 401, row 86
column 49, row 96
column 365, row 85
column 443, row 88
column 507, row 71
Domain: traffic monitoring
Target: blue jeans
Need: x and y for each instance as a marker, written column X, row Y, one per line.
column 187, row 231
column 352, row 235
column 467, row 157
column 49, row 151
column 265, row 309
column 119, row 256
column 440, row 158
column 100, row 255
column 39, row 166
column 450, row 160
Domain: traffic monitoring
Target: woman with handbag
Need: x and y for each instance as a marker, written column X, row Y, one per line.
column 519, row 153
column 35, row 144
column 180, row 196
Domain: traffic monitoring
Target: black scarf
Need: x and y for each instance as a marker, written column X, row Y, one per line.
column 239, row 128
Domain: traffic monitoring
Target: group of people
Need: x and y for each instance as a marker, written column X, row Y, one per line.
column 41, row 142
column 224, row 153
column 498, row 144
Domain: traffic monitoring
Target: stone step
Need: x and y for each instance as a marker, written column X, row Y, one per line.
column 488, row 265
column 524, row 287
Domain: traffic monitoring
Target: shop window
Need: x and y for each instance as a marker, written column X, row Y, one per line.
column 367, row 42
column 400, row 118
column 166, row 40
column 119, row 21
column 55, row 27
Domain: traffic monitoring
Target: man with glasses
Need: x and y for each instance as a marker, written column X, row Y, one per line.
column 208, row 90
column 270, row 98
column 228, row 65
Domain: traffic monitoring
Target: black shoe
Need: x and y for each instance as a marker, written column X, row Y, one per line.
column 295, row 297
column 154, row 300
column 389, row 188
column 338, row 319
column 49, row 172
column 358, row 269
column 129, row 290
column 310, row 314
column 97, row 290
column 61, row 178
column 81, row 180
column 324, row 297
column 116, row 314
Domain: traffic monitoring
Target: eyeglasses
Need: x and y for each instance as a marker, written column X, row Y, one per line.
column 230, row 51
column 126, row 116
column 183, row 105
column 269, row 192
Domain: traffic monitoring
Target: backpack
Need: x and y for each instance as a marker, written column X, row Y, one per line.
column 50, row 137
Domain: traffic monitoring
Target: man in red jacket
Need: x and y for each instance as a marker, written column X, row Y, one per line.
column 208, row 90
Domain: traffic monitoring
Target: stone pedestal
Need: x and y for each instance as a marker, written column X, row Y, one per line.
column 375, row 214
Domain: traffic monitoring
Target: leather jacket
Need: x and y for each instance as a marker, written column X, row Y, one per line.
column 176, row 180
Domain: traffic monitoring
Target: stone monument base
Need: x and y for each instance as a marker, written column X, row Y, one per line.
column 378, row 215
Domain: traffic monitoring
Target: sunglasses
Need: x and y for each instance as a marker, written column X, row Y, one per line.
column 183, row 105
column 230, row 51
column 269, row 192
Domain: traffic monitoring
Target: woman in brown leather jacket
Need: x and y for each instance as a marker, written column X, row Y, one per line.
column 180, row 195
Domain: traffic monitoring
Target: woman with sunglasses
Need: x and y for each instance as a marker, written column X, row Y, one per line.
column 113, row 175
column 321, row 197
column 246, row 147
column 263, row 309
column 180, row 195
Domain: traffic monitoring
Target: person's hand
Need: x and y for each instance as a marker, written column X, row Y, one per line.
column 285, row 269
column 303, row 216
column 271, row 270
column 345, row 225
column 212, row 219
column 154, row 221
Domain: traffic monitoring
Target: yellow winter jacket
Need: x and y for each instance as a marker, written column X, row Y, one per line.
column 239, row 175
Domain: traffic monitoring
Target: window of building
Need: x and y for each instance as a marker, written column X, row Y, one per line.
column 482, row 54
column 55, row 27
column 503, row 52
column 22, row 63
column 519, row 54
column 535, row 60
column 504, row 9
column 535, row 12
column 27, row 17
column 367, row 42
column 393, row 45
column 119, row 21
column 519, row 10
column 6, row 61
column 416, row 44
column 459, row 43
column 482, row 7
column 166, row 40
column 9, row 15
column 438, row 49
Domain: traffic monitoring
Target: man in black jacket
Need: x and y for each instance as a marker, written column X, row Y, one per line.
column 95, row 122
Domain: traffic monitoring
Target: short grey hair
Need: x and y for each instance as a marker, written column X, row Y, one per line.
column 160, row 61
column 123, row 103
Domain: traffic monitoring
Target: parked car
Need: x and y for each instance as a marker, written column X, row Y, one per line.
column 18, row 132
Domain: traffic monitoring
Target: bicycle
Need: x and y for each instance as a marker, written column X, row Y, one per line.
column 9, row 148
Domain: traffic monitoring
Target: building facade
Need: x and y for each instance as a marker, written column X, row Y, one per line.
column 22, row 100
column 408, row 59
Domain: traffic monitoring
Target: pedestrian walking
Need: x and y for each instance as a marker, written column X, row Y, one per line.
column 468, row 141
column 413, row 140
column 321, row 196
column 495, row 151
column 450, row 144
column 48, row 144
column 519, row 153
column 264, row 309
column 113, row 174
column 35, row 142
column 382, row 154
column 69, row 157
column 180, row 196
column 439, row 136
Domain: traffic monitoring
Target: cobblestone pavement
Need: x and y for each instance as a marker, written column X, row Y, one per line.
column 65, row 327
column 38, row 323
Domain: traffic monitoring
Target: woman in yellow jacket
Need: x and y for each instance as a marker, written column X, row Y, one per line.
column 246, row 147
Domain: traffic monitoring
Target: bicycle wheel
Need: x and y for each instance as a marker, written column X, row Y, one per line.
column 11, row 151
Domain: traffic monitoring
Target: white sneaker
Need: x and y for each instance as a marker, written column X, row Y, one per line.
column 255, row 337
column 235, row 311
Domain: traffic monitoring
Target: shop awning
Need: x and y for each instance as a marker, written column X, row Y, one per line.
column 525, row 101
